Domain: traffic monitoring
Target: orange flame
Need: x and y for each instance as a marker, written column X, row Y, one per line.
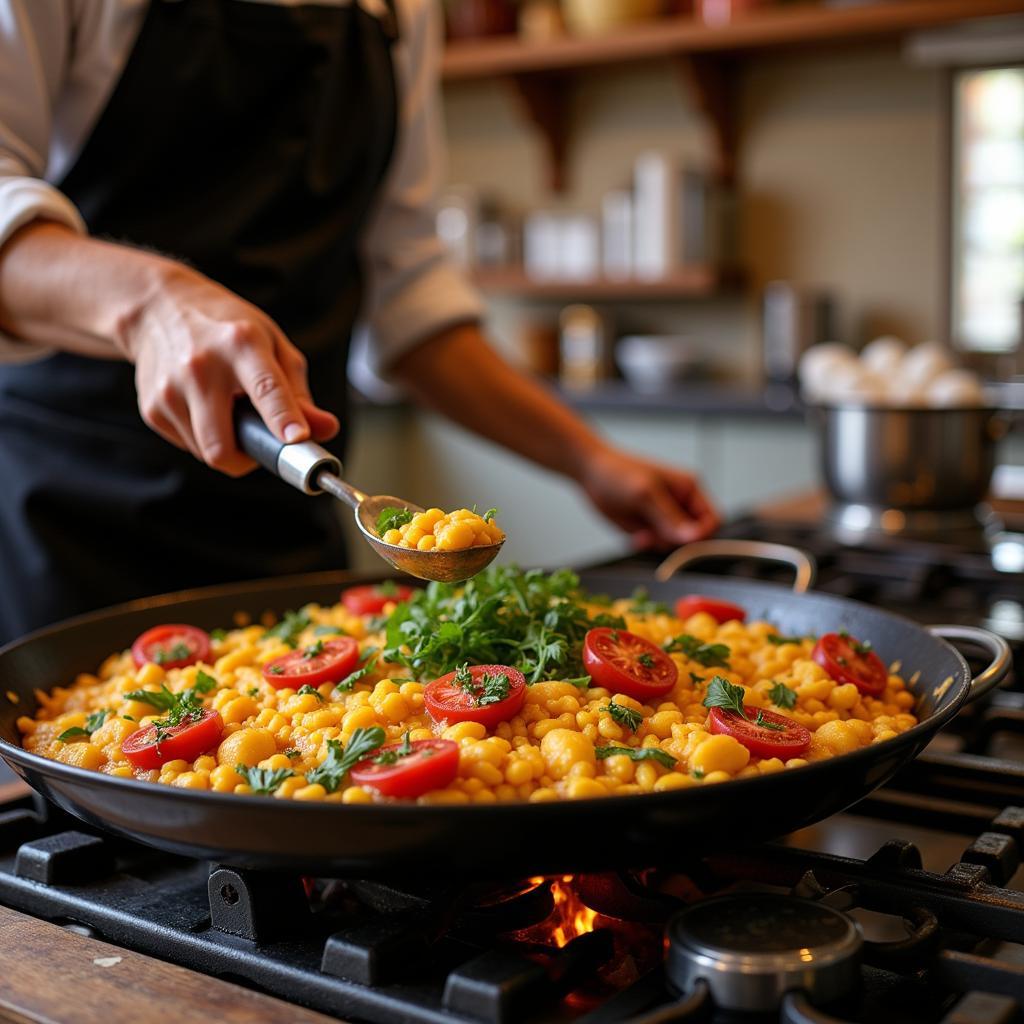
column 571, row 917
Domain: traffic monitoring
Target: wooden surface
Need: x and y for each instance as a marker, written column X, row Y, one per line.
column 52, row 976
column 796, row 24
column 692, row 282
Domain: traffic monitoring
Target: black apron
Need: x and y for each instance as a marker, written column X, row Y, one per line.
column 249, row 140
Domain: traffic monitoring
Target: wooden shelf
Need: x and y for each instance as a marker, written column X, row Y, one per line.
column 690, row 283
column 668, row 37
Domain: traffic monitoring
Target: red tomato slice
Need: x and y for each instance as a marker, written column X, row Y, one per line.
column 186, row 741
column 790, row 739
column 447, row 701
column 847, row 660
column 433, row 764
column 626, row 663
column 720, row 611
column 370, row 600
column 171, row 646
column 326, row 661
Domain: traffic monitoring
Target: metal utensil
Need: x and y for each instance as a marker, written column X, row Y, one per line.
column 313, row 470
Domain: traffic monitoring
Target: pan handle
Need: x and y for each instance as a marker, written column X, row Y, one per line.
column 996, row 646
column 804, row 566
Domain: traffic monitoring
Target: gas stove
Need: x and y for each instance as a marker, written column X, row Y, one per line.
column 908, row 908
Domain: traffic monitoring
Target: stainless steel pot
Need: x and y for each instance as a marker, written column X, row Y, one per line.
column 928, row 459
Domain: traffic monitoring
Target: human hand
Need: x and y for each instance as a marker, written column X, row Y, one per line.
column 659, row 506
column 196, row 348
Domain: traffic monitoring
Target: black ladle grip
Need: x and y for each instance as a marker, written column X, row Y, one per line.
column 255, row 438
column 297, row 464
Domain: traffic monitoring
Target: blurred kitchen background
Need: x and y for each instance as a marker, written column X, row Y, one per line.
column 666, row 202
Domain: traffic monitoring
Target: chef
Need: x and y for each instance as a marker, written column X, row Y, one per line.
column 198, row 198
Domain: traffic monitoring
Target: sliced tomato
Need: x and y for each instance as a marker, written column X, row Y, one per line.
column 447, row 701
column 847, row 660
column 431, row 764
column 186, row 741
column 370, row 600
column 626, row 663
column 171, row 646
column 720, row 611
column 326, row 661
column 777, row 737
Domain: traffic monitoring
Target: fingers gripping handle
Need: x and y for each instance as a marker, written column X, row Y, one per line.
column 297, row 464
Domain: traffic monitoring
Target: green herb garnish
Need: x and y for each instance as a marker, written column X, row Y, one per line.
column 490, row 514
column 778, row 640
column 218, row 634
column 697, row 680
column 263, row 781
column 782, row 696
column 314, row 650
column 698, row 773
column 484, row 689
column 642, row 604
column 861, row 647
column 637, row 754
column 626, row 716
column 766, row 724
column 723, row 694
column 290, row 628
column 580, row 682
column 253, row 691
column 92, row 722
column 176, row 652
column 292, row 753
column 394, row 754
column 329, row 631
column 360, row 673
column 708, row 655
column 391, row 518
column 306, row 688
column 389, row 588
column 331, row 774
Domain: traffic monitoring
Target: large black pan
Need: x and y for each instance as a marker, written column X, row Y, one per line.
column 332, row 839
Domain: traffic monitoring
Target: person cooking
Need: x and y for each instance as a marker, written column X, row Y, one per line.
column 198, row 198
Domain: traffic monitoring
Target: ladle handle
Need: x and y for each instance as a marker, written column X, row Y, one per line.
column 296, row 464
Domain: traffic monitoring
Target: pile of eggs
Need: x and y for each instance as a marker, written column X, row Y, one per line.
column 888, row 373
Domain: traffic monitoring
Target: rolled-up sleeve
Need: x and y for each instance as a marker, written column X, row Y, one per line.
column 33, row 42
column 414, row 288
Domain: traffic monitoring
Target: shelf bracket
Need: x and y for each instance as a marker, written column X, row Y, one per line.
column 544, row 97
column 711, row 83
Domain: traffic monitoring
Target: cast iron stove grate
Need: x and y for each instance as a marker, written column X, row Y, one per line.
column 945, row 946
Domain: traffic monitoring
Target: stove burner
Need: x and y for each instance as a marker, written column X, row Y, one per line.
column 752, row 949
column 853, row 523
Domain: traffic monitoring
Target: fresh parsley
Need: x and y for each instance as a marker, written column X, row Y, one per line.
column 626, row 716
column 580, row 682
column 723, row 694
column 360, row 673
column 263, row 781
column 292, row 753
column 698, row 773
column 389, row 588
column 490, row 514
column 486, row 688
column 391, row 518
column 861, row 647
column 766, row 724
column 778, row 640
column 176, row 652
column 253, row 691
column 696, row 679
column 329, row 631
column 641, row 603
column 290, row 628
column 276, row 670
column 331, row 774
column 708, row 655
column 638, row 754
column 163, row 699
column 311, row 690
column 531, row 620
column 92, row 722
column 218, row 634
column 782, row 696
column 646, row 660
column 314, row 650
column 395, row 754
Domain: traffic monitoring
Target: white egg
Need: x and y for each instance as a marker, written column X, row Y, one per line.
column 923, row 363
column 883, row 355
column 819, row 366
column 850, row 382
column 956, row 388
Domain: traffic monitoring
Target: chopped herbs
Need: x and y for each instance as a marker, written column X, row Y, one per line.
column 697, row 680
column 218, row 634
column 92, row 722
column 331, row 774
column 360, row 673
column 290, row 627
column 698, row 773
column 637, row 754
column 392, row 756
column 263, row 781
column 391, row 518
column 626, row 716
column 642, row 604
column 328, row 631
column 723, row 694
column 253, row 691
column 580, row 682
column 292, row 753
column 73, row 733
column 782, row 696
column 204, row 682
column 861, row 647
column 314, row 650
column 276, row 670
column 532, row 620
column 311, row 690
column 163, row 699
column 490, row 514
column 485, row 688
column 708, row 655
column 389, row 588
column 176, row 652
column 646, row 660
column 766, row 724
column 778, row 640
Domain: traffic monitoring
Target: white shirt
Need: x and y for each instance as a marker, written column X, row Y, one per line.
column 59, row 63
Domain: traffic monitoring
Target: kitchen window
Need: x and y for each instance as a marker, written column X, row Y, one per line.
column 988, row 208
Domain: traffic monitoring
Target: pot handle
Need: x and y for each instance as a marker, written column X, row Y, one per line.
column 803, row 564
column 996, row 646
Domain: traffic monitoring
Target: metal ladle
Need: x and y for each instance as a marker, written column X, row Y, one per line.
column 313, row 470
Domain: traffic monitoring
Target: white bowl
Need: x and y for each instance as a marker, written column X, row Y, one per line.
column 653, row 362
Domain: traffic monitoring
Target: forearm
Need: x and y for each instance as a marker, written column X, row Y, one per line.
column 63, row 290
column 459, row 374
